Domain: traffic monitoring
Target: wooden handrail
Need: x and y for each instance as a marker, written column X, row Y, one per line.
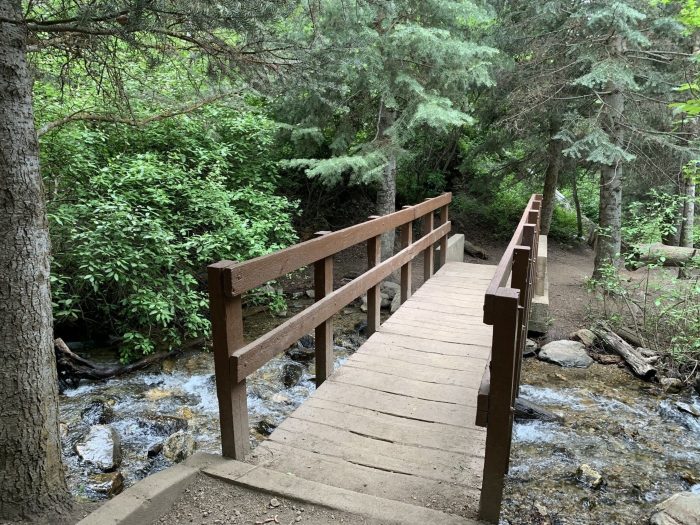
column 504, row 265
column 244, row 276
column 507, row 308
column 235, row 361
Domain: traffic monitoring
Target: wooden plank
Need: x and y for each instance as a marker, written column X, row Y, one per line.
column 464, row 332
column 241, row 277
column 441, row 320
column 416, row 308
column 428, row 463
column 366, row 480
column 444, row 308
column 419, row 372
column 227, row 336
column 439, row 289
column 397, row 405
column 374, row 301
column 427, row 345
column 410, row 388
column 382, row 426
column 439, row 336
column 254, row 355
column 406, row 355
column 467, row 302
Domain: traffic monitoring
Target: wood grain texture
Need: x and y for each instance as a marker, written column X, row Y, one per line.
column 397, row 420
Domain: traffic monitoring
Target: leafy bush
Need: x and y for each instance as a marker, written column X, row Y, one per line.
column 564, row 226
column 132, row 231
column 660, row 307
column 652, row 220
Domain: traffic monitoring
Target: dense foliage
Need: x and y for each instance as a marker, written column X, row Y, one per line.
column 136, row 215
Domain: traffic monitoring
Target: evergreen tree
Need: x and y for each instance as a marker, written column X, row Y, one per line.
column 384, row 70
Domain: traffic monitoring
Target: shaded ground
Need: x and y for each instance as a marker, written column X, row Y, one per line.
column 211, row 502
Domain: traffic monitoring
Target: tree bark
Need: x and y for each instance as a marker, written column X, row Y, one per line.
column 551, row 178
column 31, row 472
column 577, row 205
column 639, row 364
column 686, row 236
column 672, row 255
column 608, row 244
column 386, row 195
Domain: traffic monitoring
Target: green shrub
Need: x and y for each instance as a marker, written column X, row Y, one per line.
column 564, row 226
column 133, row 231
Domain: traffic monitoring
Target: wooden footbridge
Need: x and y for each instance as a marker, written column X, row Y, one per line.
column 422, row 413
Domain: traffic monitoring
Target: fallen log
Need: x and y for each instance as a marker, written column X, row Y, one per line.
column 474, row 250
column 657, row 253
column 72, row 368
column 631, row 336
column 639, row 364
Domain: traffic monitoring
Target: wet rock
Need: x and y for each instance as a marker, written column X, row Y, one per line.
column 395, row 303
column 386, row 302
column 155, row 449
column 390, row 289
column 179, row 446
column 108, row 483
column 292, row 374
column 568, row 354
column 100, row 447
column 585, row 336
column 527, row 410
column 156, row 394
column 696, row 385
column 265, row 426
column 97, row 413
column 530, row 349
column 688, row 409
column 361, row 327
column 680, row 509
column 589, row 476
column 310, row 294
column 281, row 398
column 303, row 351
column 163, row 425
column 671, row 385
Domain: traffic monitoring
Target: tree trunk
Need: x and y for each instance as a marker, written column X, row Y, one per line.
column 607, row 248
column 551, row 178
column 577, row 204
column 686, row 237
column 31, row 472
column 673, row 221
column 386, row 195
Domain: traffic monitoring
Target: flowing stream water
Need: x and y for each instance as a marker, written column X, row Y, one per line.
column 644, row 443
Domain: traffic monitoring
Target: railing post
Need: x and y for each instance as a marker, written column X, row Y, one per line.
column 500, row 411
column 429, row 253
column 406, row 240
column 323, row 285
column 443, row 240
column 227, row 335
column 520, row 281
column 374, row 300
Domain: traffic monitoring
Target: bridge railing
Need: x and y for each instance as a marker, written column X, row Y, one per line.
column 234, row 360
column 507, row 308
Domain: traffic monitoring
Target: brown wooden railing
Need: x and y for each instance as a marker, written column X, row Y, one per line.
column 235, row 360
column 507, row 308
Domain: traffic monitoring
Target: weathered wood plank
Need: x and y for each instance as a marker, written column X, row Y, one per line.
column 407, row 355
column 410, row 388
column 442, row 336
column 427, row 345
column 398, row 405
column 366, row 480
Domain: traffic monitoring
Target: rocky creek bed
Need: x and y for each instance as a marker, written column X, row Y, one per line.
column 623, row 447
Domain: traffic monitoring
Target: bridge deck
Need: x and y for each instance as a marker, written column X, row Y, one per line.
column 396, row 421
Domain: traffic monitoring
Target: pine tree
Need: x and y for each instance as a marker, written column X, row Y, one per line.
column 383, row 71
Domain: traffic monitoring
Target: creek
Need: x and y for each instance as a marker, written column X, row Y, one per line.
column 644, row 443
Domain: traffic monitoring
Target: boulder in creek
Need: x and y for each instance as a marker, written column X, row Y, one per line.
column 531, row 348
column 100, row 447
column 98, row 412
column 568, row 354
column 395, row 303
column 266, row 426
column 109, row 483
column 682, row 508
column 300, row 353
column 589, row 477
column 179, row 446
column 390, row 289
column 672, row 385
column 292, row 374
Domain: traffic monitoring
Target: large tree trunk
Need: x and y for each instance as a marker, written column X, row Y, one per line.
column 31, row 472
column 551, row 177
column 686, row 236
column 608, row 244
column 577, row 205
column 386, row 195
